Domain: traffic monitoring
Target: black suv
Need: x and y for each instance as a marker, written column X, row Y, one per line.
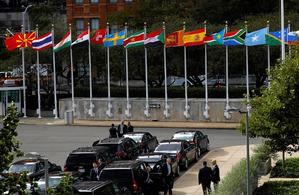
column 82, row 158
column 122, row 148
column 146, row 141
column 127, row 173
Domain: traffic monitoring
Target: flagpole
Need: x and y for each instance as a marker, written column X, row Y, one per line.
column 206, row 110
column 269, row 59
column 72, row 72
column 186, row 112
column 283, row 55
column 54, row 76
column 247, row 72
column 166, row 109
column 38, row 111
column 227, row 115
column 24, row 79
column 127, row 111
column 146, row 111
column 108, row 112
column 289, row 30
column 91, row 106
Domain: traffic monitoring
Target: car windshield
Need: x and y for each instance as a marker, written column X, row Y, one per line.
column 112, row 148
column 18, row 168
column 81, row 159
column 53, row 182
column 136, row 137
column 184, row 136
column 149, row 160
column 169, row 147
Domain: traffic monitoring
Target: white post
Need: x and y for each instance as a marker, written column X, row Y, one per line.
column 283, row 55
column 206, row 110
column 24, row 78
column 108, row 112
column 91, row 106
column 269, row 58
column 72, row 74
column 289, row 30
column 127, row 111
column 166, row 109
column 146, row 111
column 247, row 75
column 187, row 107
column 55, row 111
column 227, row 115
column 38, row 111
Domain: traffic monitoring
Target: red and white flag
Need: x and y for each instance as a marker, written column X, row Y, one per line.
column 84, row 36
column 98, row 37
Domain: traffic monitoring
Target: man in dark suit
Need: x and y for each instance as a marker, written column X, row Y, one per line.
column 94, row 172
column 215, row 174
column 113, row 132
column 130, row 127
column 122, row 129
column 167, row 174
column 204, row 178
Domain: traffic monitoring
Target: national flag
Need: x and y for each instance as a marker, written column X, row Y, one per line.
column 256, row 38
column 274, row 38
column 234, row 38
column 19, row 41
column 215, row 39
column 84, row 36
column 175, row 39
column 194, row 38
column 293, row 38
column 155, row 37
column 136, row 39
column 11, row 42
column 114, row 39
column 42, row 42
column 98, row 36
column 65, row 42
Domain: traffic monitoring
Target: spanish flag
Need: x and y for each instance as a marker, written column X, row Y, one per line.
column 175, row 39
column 194, row 38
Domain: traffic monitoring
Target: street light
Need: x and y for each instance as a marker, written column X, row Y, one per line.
column 23, row 17
column 247, row 145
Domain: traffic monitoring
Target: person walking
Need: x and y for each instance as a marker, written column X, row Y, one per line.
column 113, row 132
column 204, row 178
column 130, row 127
column 167, row 174
column 215, row 174
column 122, row 129
column 94, row 172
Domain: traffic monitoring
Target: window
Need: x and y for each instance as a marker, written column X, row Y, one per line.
column 94, row 1
column 78, row 1
column 79, row 25
column 113, row 1
column 94, row 24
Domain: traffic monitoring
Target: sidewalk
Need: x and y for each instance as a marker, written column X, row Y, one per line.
column 158, row 124
column 226, row 158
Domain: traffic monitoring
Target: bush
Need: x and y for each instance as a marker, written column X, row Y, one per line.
column 278, row 187
column 291, row 169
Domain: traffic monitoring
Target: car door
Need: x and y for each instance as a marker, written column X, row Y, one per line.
column 150, row 142
column 156, row 175
column 202, row 140
column 190, row 150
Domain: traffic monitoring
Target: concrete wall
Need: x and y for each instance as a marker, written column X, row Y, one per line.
column 177, row 107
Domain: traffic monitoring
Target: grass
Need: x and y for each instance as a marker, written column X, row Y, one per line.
column 279, row 188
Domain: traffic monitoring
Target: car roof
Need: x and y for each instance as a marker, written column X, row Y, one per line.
column 188, row 131
column 123, row 164
column 152, row 155
column 90, row 150
column 112, row 140
column 89, row 186
column 172, row 141
column 26, row 161
column 136, row 132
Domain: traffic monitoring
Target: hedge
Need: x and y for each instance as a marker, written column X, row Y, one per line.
column 291, row 168
column 278, row 187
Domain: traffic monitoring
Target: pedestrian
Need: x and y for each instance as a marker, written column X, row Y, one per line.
column 215, row 174
column 204, row 178
column 113, row 132
column 167, row 174
column 101, row 165
column 94, row 172
column 122, row 129
column 130, row 127
column 149, row 187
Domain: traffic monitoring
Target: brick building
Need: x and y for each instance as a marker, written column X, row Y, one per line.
column 80, row 12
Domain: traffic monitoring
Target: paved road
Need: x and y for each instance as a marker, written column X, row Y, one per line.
column 55, row 142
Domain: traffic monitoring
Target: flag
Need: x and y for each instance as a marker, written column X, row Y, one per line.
column 194, row 38
column 155, row 37
column 175, row 39
column 98, row 36
column 234, row 38
column 215, row 39
column 293, row 38
column 19, row 41
column 114, row 39
column 42, row 42
column 256, row 38
column 84, row 36
column 136, row 39
column 274, row 38
column 65, row 42
column 11, row 42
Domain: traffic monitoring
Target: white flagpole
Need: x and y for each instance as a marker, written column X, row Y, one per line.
column 206, row 110
column 91, row 106
column 166, row 109
column 269, row 59
column 55, row 111
column 186, row 112
column 283, row 54
column 108, row 112
column 227, row 115
column 289, row 30
column 72, row 72
column 127, row 111
column 38, row 111
column 247, row 73
column 146, row 111
column 24, row 78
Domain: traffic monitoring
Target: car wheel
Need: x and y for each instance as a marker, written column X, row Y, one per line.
column 177, row 171
column 186, row 164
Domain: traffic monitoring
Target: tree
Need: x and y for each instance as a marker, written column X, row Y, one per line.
column 275, row 113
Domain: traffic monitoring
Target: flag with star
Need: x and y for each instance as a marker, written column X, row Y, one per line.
column 256, row 38
column 234, row 38
column 114, row 39
column 215, row 39
column 274, row 38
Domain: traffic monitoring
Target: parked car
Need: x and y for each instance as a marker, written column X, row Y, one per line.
column 34, row 164
column 99, row 188
column 146, row 141
column 81, row 159
column 123, row 148
column 194, row 137
column 182, row 150
column 176, row 81
column 127, row 173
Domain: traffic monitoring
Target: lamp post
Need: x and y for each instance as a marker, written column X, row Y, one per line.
column 23, row 17
column 247, row 146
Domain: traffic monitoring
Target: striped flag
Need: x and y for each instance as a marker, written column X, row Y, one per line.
column 136, row 39
column 42, row 42
column 65, row 42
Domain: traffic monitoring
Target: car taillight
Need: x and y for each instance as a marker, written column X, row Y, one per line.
column 65, row 168
column 178, row 156
column 134, row 186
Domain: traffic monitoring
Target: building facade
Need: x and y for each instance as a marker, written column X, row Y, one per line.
column 95, row 12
